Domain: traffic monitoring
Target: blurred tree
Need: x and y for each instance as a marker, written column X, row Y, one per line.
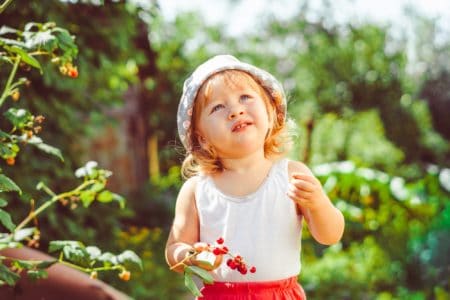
column 435, row 91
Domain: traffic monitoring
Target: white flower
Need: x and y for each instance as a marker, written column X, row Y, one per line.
column 86, row 170
column 81, row 172
column 91, row 165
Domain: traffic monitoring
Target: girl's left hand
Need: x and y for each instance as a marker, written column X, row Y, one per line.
column 306, row 191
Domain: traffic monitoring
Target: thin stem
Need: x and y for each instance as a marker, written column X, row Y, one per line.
column 66, row 263
column 88, row 270
column 48, row 190
column 4, row 5
column 39, row 53
column 10, row 79
column 182, row 262
column 55, row 198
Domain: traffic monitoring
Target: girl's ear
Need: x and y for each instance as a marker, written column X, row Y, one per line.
column 202, row 141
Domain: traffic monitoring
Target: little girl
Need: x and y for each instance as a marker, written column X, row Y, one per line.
column 232, row 122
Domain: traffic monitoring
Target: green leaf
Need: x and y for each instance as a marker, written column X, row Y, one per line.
column 26, row 58
column 23, row 233
column 87, row 197
column 97, row 187
column 66, row 41
column 120, row 199
column 4, row 135
column 129, row 258
column 19, row 117
column 190, row 284
column 108, row 259
column 5, row 220
column 46, row 263
column 30, row 25
column 202, row 273
column 38, row 143
column 8, row 30
column 94, row 252
column 38, row 39
column 6, row 41
column 7, row 185
column 37, row 274
column 6, row 150
column 8, row 276
column 59, row 245
column 23, row 264
column 3, row 202
column 105, row 197
column 77, row 254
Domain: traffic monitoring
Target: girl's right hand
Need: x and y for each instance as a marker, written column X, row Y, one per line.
column 204, row 258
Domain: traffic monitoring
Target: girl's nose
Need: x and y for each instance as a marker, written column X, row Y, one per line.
column 235, row 112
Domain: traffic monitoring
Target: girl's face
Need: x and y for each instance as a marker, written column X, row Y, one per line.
column 233, row 118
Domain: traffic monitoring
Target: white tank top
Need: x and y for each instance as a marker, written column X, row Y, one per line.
column 263, row 227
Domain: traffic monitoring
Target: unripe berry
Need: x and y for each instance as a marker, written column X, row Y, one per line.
column 15, row 95
column 125, row 275
column 10, row 161
column 63, row 70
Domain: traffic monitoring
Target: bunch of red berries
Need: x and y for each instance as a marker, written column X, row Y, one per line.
column 69, row 70
column 235, row 262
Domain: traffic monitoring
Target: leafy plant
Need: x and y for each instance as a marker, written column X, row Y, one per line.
column 20, row 49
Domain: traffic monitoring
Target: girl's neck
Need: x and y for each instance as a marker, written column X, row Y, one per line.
column 245, row 164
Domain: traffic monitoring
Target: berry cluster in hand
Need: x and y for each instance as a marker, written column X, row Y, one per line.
column 235, row 262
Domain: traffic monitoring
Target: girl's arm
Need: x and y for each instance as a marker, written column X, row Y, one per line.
column 185, row 228
column 325, row 222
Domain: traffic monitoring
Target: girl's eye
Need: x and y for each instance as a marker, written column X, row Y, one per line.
column 217, row 107
column 244, row 98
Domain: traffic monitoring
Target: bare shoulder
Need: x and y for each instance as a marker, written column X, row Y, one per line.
column 298, row 167
column 187, row 191
column 191, row 184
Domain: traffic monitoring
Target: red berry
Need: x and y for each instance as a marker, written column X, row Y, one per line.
column 217, row 251
column 231, row 264
column 73, row 73
column 220, row 241
column 224, row 250
column 242, row 269
column 252, row 270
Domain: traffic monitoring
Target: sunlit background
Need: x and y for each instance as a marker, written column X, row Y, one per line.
column 368, row 90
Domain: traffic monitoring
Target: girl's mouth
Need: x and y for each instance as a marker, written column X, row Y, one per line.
column 239, row 126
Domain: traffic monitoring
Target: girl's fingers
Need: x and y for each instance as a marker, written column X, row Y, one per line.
column 305, row 177
column 303, row 185
column 200, row 246
column 297, row 194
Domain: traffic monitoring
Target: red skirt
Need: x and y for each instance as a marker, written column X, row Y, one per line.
column 286, row 289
